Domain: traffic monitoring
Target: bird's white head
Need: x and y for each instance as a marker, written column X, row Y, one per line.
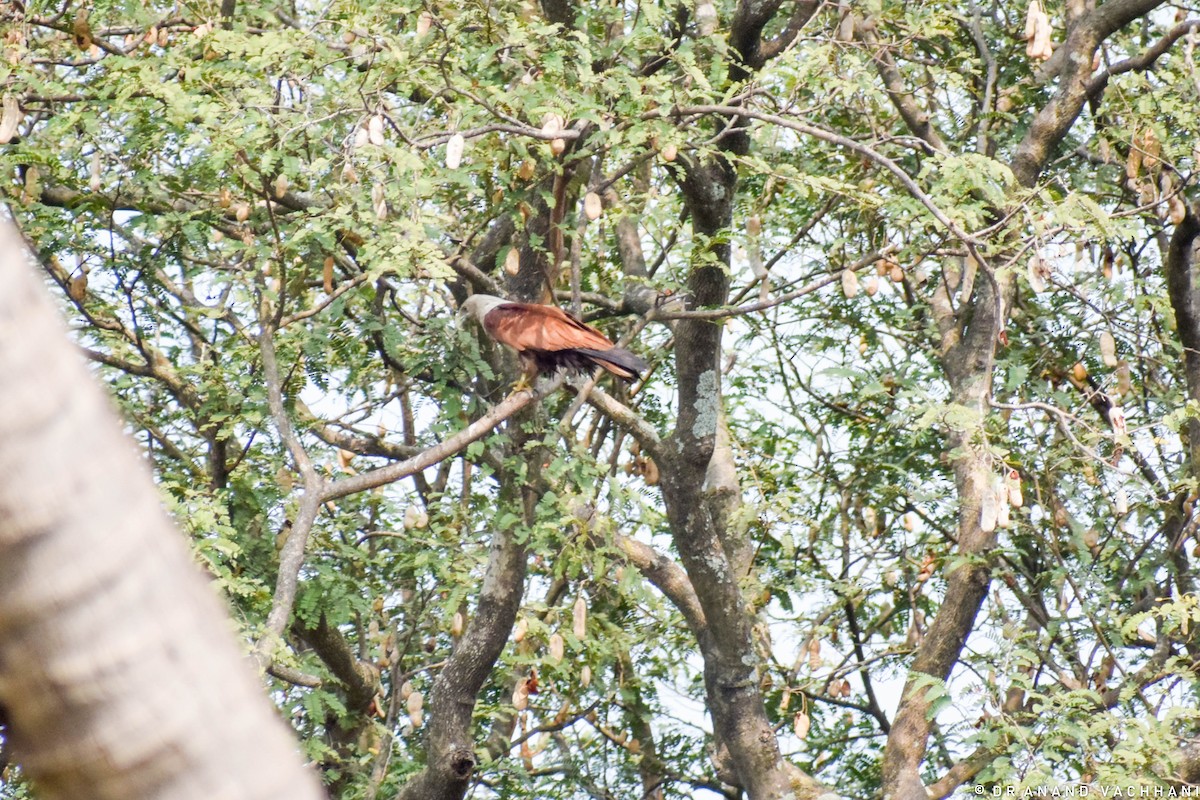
column 478, row 306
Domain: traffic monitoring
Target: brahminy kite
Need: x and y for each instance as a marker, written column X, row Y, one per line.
column 549, row 339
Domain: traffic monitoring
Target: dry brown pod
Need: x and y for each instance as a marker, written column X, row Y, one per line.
column 10, row 118
column 424, row 23
column 849, row 283
column 454, row 151
column 375, row 130
column 557, row 647
column 558, row 146
column 592, row 206
column 801, row 724
column 520, row 630
column 327, row 275
column 77, row 286
column 1108, row 349
column 669, row 153
column 512, row 261
column 520, row 696
column 579, row 618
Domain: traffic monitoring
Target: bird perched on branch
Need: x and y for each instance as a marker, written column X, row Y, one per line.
column 548, row 339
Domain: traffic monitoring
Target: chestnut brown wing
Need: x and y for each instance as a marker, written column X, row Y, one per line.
column 529, row 326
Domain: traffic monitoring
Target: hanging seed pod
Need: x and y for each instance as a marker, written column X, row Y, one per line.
column 989, row 511
column 814, row 653
column 592, row 206
column 414, row 702
column 558, row 146
column 94, row 172
column 863, row 345
column 552, row 124
column 849, row 283
column 871, row 285
column 1032, row 13
column 1133, row 163
column 706, row 17
column 1079, row 372
column 349, row 174
column 379, row 200
column 241, row 212
column 281, row 185
column 585, row 676
column 416, row 718
column 650, row 472
column 77, row 286
column 754, row 224
column 10, row 119
column 521, row 629
column 415, row 517
column 81, row 31
column 424, row 23
column 457, row 624
column 801, row 724
column 1176, row 209
column 1108, row 349
column 669, row 153
column 218, row 236
column 454, row 151
column 32, row 185
column 1152, row 149
column 512, row 261
column 1003, row 520
column 525, row 171
column 1124, row 378
column 870, row 520
column 375, row 130
column 896, row 273
column 327, row 275
column 557, row 647
column 520, row 696
column 1091, row 538
column 361, row 137
column 579, row 618
column 1038, row 272
column 1012, row 483
column 1121, row 501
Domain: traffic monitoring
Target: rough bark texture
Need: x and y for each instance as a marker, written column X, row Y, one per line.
column 450, row 752
column 119, row 671
column 740, row 722
column 1185, row 300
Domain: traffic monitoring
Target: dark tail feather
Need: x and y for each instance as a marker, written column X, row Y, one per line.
column 621, row 363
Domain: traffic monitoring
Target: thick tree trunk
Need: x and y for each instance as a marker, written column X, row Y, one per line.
column 119, row 671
